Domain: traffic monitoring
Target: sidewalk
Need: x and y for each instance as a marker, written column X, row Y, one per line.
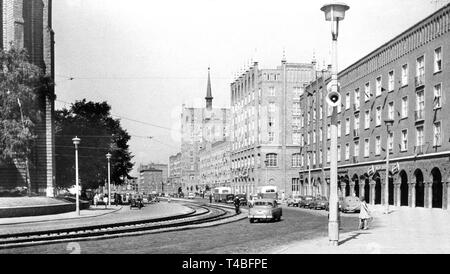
column 403, row 230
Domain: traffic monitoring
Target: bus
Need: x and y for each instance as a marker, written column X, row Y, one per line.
column 268, row 192
column 220, row 194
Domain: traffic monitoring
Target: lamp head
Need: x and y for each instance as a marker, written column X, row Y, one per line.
column 76, row 141
column 335, row 11
column 108, row 156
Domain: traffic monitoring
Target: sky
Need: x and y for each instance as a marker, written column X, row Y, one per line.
column 146, row 58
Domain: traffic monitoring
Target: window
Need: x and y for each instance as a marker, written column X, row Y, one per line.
column 347, row 126
column 366, row 148
column 330, row 110
column 320, row 134
column 320, row 112
column 420, row 105
column 367, row 92
column 367, row 119
column 437, row 138
column 404, row 107
column 391, row 85
column 347, row 101
column 320, row 156
column 357, row 122
column 391, row 113
column 272, row 107
column 356, row 152
column 314, row 114
column 339, row 129
column 437, row 96
column 296, row 138
column 347, row 151
column 272, row 91
column 378, row 87
column 405, row 75
column 378, row 116
column 329, row 132
column 419, row 135
column 272, row 160
column 339, row 153
column 378, row 145
column 298, row 91
column 391, row 141
column 437, row 60
column 296, row 160
column 357, row 99
column 314, row 137
column 420, row 71
column 328, row 156
column 271, row 137
column 309, row 138
column 296, row 123
column 314, row 157
column 404, row 143
column 339, row 108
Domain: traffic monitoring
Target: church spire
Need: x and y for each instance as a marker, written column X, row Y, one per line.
column 209, row 97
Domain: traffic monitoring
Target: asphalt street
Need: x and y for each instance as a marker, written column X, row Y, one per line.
column 233, row 238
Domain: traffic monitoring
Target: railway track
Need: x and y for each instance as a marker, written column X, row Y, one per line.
column 202, row 214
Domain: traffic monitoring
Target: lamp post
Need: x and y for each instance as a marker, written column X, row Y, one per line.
column 388, row 122
column 334, row 12
column 76, row 141
column 108, row 156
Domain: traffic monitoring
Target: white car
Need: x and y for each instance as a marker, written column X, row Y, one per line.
column 191, row 195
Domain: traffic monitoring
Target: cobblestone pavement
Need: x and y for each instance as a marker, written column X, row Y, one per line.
column 94, row 216
column 233, row 238
column 402, row 231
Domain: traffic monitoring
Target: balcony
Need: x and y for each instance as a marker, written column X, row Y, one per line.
column 419, row 115
column 420, row 80
column 419, row 150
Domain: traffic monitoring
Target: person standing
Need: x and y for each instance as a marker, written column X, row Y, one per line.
column 210, row 198
column 105, row 200
column 96, row 199
column 364, row 215
column 237, row 204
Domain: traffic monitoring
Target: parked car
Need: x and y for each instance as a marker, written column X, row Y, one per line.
column 320, row 202
column 229, row 199
column 253, row 199
column 350, row 204
column 242, row 199
column 306, row 201
column 191, row 195
column 294, row 200
column 265, row 209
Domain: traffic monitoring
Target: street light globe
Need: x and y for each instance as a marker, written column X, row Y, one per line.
column 76, row 141
column 335, row 11
column 108, row 156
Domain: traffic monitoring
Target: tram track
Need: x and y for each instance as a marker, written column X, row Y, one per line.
column 202, row 214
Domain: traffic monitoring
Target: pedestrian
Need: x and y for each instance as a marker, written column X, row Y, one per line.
column 105, row 200
column 96, row 197
column 116, row 199
column 210, row 198
column 237, row 204
column 364, row 215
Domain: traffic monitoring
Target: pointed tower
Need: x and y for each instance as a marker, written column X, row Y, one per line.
column 209, row 97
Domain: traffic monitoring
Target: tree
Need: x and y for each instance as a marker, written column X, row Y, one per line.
column 99, row 134
column 22, row 89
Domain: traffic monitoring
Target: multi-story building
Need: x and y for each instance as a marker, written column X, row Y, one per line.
column 198, row 127
column 215, row 165
column 405, row 80
column 28, row 24
column 266, row 117
column 175, row 173
column 151, row 180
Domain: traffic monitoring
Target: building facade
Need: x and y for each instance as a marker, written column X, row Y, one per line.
column 266, row 116
column 151, row 181
column 403, row 81
column 215, row 165
column 200, row 126
column 28, row 24
column 175, row 173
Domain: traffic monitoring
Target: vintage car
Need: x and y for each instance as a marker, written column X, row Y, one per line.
column 242, row 199
column 265, row 209
column 136, row 201
column 350, row 204
column 294, row 200
column 306, row 201
column 320, row 202
column 191, row 195
column 229, row 199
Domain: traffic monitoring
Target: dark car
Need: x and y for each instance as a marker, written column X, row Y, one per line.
column 320, row 202
column 306, row 202
column 242, row 199
column 229, row 199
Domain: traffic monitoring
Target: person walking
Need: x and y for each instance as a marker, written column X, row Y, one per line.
column 96, row 199
column 237, row 204
column 105, row 200
column 210, row 198
column 364, row 215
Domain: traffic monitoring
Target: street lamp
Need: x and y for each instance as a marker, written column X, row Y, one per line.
column 76, row 141
column 334, row 12
column 108, row 156
column 388, row 122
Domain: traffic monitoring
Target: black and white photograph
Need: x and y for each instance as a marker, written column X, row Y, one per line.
column 224, row 128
